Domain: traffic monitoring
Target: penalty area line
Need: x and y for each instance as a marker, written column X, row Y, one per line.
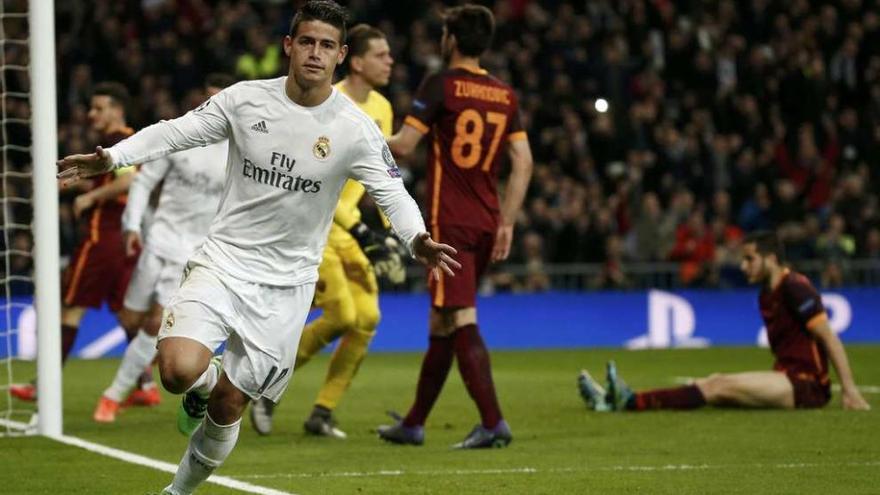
column 158, row 465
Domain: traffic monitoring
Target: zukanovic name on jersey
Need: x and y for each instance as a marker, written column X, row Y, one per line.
column 286, row 167
column 470, row 117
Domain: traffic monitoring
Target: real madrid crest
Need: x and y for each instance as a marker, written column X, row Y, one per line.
column 321, row 149
column 169, row 320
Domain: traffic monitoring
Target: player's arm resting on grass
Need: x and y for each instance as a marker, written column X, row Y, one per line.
column 374, row 167
column 202, row 126
column 138, row 202
column 110, row 190
column 521, row 165
column 821, row 330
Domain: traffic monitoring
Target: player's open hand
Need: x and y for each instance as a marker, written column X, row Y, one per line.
column 74, row 167
column 853, row 401
column 133, row 244
column 503, row 239
column 435, row 255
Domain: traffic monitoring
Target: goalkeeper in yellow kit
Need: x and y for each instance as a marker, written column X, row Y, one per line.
column 347, row 291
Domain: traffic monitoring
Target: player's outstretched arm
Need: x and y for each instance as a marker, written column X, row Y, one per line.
column 405, row 141
column 520, row 154
column 435, row 255
column 74, row 167
column 851, row 397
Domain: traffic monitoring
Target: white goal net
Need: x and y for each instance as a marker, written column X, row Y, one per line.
column 28, row 216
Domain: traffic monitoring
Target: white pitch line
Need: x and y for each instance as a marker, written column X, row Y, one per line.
column 140, row 460
column 531, row 470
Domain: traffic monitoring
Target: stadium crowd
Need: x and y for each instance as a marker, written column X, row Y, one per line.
column 715, row 119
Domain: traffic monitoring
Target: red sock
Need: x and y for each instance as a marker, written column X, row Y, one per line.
column 688, row 397
column 435, row 369
column 68, row 337
column 476, row 372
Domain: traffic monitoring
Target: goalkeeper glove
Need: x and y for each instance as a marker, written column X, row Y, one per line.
column 383, row 251
column 393, row 267
column 372, row 244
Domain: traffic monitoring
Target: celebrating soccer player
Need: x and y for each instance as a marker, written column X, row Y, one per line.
column 347, row 292
column 100, row 269
column 192, row 181
column 293, row 143
column 470, row 117
column 800, row 338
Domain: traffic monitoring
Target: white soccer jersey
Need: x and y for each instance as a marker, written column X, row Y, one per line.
column 193, row 183
column 287, row 165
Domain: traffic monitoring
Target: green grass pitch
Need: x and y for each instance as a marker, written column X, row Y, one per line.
column 558, row 446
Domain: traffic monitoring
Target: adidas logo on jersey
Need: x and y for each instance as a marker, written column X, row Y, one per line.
column 260, row 127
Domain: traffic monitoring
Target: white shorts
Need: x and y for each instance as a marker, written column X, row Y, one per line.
column 154, row 280
column 260, row 324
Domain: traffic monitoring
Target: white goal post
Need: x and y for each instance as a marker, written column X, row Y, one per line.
column 47, row 290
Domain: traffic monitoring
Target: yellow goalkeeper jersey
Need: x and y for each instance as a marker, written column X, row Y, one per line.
column 347, row 214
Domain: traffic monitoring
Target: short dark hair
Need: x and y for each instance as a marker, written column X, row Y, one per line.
column 359, row 38
column 116, row 91
column 219, row 80
column 766, row 243
column 473, row 27
column 326, row 11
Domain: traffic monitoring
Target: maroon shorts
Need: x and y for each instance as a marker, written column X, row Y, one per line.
column 810, row 391
column 99, row 271
column 474, row 248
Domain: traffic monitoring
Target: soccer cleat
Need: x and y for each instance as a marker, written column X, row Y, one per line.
column 105, row 411
column 592, row 393
column 146, row 397
column 261, row 413
column 483, row 438
column 400, row 434
column 619, row 393
column 193, row 407
column 321, row 423
column 26, row 392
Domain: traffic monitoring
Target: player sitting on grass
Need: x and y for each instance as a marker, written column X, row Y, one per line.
column 800, row 337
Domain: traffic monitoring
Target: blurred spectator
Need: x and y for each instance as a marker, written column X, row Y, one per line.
column 776, row 104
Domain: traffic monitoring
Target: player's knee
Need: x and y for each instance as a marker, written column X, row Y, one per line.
column 129, row 320
column 716, row 388
column 152, row 325
column 368, row 318
column 341, row 315
column 177, row 374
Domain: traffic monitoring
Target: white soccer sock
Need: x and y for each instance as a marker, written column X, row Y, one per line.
column 209, row 446
column 138, row 355
column 206, row 382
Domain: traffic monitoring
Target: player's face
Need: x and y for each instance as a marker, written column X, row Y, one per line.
column 375, row 65
column 314, row 51
column 103, row 113
column 753, row 265
column 212, row 90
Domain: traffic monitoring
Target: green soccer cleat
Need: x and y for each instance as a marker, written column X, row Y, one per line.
column 619, row 393
column 193, row 407
column 592, row 393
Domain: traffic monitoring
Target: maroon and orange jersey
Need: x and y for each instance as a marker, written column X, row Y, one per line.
column 106, row 216
column 787, row 311
column 469, row 116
